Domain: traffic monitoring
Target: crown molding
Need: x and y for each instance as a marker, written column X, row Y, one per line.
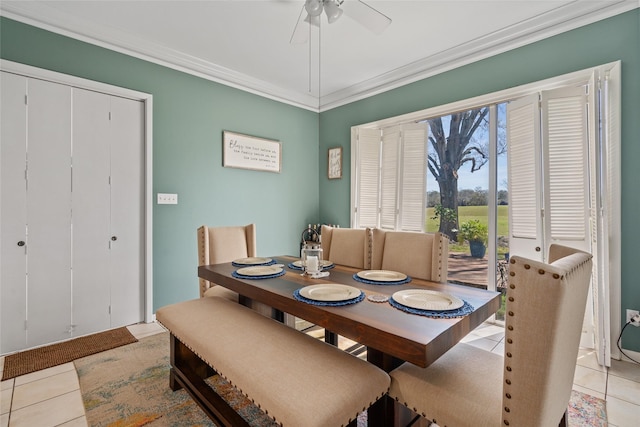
column 47, row 18
column 559, row 20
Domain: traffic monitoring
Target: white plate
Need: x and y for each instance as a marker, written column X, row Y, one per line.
column 323, row 263
column 252, row 260
column 330, row 292
column 259, row 270
column 382, row 275
column 424, row 299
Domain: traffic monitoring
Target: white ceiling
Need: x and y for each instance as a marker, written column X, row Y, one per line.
column 245, row 44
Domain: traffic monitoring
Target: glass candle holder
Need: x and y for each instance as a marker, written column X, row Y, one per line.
column 312, row 260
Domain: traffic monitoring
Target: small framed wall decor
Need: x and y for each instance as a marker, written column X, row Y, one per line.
column 249, row 152
column 334, row 163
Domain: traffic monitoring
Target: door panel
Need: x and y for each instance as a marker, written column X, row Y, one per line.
column 565, row 156
column 13, row 279
column 91, row 216
column 525, row 198
column 127, row 211
column 49, row 212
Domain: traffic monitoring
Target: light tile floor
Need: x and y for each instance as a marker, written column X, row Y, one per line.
column 51, row 397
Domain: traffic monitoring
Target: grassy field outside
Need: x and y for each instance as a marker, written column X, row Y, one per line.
column 465, row 213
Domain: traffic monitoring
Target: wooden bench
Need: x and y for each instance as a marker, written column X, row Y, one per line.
column 295, row 379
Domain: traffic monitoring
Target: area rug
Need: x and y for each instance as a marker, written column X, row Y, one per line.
column 48, row 356
column 129, row 386
column 586, row 410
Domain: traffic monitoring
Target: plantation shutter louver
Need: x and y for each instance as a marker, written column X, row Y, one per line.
column 565, row 147
column 367, row 176
column 389, row 177
column 523, row 134
column 414, row 173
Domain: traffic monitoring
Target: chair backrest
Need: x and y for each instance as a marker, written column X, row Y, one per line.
column 224, row 244
column 420, row 255
column 347, row 246
column 544, row 315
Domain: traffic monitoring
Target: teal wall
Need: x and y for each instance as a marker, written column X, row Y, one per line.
column 189, row 115
column 613, row 39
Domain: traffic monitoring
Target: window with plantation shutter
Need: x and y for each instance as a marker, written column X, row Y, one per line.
column 414, row 170
column 390, row 180
column 367, row 176
column 565, row 143
column 563, row 164
column 525, row 199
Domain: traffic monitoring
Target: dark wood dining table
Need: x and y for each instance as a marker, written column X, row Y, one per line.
column 392, row 336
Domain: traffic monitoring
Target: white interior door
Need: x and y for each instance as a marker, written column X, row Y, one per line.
column 13, row 211
column 127, row 211
column 91, row 211
column 48, row 212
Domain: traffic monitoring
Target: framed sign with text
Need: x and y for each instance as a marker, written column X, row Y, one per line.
column 334, row 164
column 250, row 152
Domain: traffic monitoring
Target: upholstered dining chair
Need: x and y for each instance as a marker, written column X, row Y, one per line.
column 224, row 244
column 347, row 246
column 420, row 255
column 530, row 385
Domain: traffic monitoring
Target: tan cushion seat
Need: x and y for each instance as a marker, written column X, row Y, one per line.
column 464, row 377
column 296, row 379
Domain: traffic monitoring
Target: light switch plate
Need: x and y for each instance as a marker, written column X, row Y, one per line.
column 167, row 199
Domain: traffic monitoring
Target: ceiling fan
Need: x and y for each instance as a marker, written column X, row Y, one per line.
column 357, row 10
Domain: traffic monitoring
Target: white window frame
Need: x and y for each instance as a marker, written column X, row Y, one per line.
column 610, row 75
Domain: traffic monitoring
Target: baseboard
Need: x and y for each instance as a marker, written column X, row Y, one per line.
column 630, row 354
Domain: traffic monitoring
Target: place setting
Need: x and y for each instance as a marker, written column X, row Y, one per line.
column 429, row 303
column 252, row 261
column 324, row 264
column 257, row 268
column 329, row 295
column 381, row 277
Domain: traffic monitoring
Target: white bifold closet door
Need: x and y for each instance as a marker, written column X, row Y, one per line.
column 107, row 211
column 36, row 296
column 48, row 212
column 91, row 211
column 127, row 212
column 71, row 213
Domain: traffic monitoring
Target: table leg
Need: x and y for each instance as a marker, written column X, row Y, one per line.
column 330, row 337
column 382, row 413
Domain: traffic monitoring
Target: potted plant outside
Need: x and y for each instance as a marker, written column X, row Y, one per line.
column 476, row 233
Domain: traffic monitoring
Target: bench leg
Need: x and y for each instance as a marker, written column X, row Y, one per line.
column 180, row 356
column 188, row 371
column 174, row 384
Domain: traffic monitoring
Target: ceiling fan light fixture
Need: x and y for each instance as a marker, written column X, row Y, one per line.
column 313, row 20
column 333, row 11
column 313, row 7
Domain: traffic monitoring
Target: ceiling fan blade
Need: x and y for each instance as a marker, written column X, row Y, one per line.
column 366, row 15
column 301, row 30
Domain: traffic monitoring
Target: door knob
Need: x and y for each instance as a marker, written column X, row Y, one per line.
column 20, row 243
column 114, row 238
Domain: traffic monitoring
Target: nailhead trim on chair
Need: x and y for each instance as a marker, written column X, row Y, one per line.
column 511, row 313
column 369, row 254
